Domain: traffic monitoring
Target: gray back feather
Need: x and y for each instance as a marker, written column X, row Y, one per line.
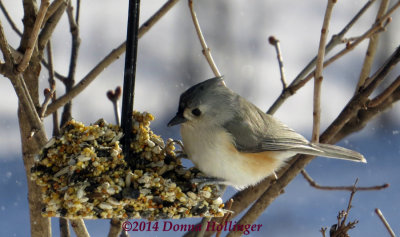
column 255, row 131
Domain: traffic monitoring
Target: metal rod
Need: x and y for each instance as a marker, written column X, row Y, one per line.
column 129, row 75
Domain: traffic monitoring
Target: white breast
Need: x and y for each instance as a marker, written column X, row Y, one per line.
column 212, row 152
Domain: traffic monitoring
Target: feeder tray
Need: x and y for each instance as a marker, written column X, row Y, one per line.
column 83, row 174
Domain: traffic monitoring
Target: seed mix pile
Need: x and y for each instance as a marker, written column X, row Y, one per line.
column 83, row 174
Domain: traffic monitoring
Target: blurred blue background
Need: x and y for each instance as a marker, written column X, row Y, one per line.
column 170, row 60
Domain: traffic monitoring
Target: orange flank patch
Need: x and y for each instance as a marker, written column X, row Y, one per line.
column 262, row 162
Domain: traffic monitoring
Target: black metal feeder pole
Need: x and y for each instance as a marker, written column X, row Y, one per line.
column 129, row 76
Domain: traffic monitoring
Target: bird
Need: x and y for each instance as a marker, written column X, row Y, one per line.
column 234, row 142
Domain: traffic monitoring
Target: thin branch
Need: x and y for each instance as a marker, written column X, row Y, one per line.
column 79, row 87
column 79, row 228
column 385, row 94
column 48, row 95
column 10, row 21
column 372, row 46
column 275, row 42
column 365, row 114
column 383, row 219
column 115, row 227
column 335, row 40
column 314, row 184
column 206, row 51
column 110, row 58
column 44, row 4
column 21, row 89
column 318, row 72
column 57, row 75
column 25, row 100
column 226, row 217
column 373, row 30
column 54, row 6
column 78, row 10
column 18, row 57
column 114, row 96
column 76, row 41
column 50, row 25
column 341, row 228
column 358, row 101
column 349, row 206
column 64, row 227
column 5, row 48
column 323, row 231
column 52, row 83
column 350, row 46
column 156, row 17
column 376, row 28
column 74, row 29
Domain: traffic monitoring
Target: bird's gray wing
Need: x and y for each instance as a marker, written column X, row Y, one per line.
column 255, row 131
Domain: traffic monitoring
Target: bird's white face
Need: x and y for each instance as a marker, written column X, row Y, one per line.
column 196, row 115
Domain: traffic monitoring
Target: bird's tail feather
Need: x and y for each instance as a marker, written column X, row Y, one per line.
column 332, row 151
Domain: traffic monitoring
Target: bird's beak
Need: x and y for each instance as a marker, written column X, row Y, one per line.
column 178, row 119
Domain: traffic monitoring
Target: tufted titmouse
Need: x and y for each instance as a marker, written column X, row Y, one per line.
column 232, row 140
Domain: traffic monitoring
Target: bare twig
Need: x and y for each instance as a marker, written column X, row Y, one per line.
column 27, row 104
column 115, row 227
column 79, row 228
column 383, row 219
column 74, row 29
column 377, row 27
column 70, row 81
column 385, row 94
column 64, row 227
column 318, row 72
column 20, row 88
column 114, row 96
column 10, row 21
column 44, row 4
column 314, row 184
column 323, row 231
column 226, row 217
column 374, row 29
column 52, row 83
column 372, row 46
column 110, row 58
column 78, row 10
column 341, row 228
column 206, row 51
column 5, row 48
column 53, row 8
column 335, row 40
column 57, row 75
column 275, row 42
column 359, row 100
column 48, row 95
column 50, row 25
column 18, row 57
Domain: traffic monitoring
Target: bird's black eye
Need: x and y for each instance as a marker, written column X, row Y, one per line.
column 196, row 112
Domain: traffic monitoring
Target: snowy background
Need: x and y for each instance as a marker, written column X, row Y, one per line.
column 170, row 60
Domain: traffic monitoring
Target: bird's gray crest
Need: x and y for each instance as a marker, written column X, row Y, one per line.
column 198, row 93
